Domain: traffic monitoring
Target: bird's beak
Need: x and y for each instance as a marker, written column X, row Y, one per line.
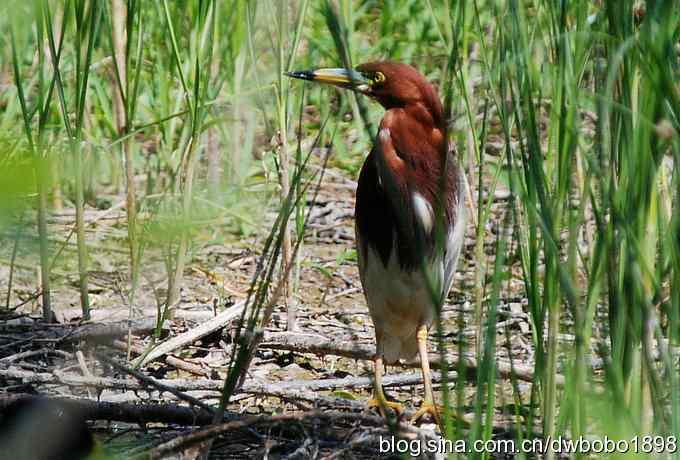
column 344, row 78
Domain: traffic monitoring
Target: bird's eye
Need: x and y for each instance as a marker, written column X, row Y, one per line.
column 378, row 78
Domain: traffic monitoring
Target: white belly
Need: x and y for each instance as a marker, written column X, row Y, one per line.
column 399, row 301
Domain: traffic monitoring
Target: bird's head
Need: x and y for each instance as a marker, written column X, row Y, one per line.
column 392, row 84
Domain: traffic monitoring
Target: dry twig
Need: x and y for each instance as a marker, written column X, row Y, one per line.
column 193, row 335
column 122, row 412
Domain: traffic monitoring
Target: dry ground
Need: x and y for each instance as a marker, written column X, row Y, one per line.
column 323, row 367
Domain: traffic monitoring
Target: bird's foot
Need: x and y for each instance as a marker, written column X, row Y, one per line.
column 381, row 403
column 427, row 407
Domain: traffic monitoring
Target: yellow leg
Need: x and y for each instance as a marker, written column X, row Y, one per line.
column 428, row 406
column 379, row 400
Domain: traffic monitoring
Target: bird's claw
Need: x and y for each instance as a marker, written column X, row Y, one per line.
column 382, row 403
column 427, row 408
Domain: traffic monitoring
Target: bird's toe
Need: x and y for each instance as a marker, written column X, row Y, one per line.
column 381, row 404
column 427, row 408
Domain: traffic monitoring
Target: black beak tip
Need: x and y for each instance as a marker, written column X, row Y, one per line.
column 301, row 74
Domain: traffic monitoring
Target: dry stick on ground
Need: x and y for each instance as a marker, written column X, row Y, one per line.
column 153, row 382
column 90, row 331
column 292, row 386
column 15, row 343
column 30, row 353
column 287, row 387
column 137, row 396
column 106, row 331
column 320, row 345
column 187, row 366
column 192, row 335
column 169, row 360
column 122, row 412
column 300, row 398
column 84, row 369
column 319, row 401
column 72, row 380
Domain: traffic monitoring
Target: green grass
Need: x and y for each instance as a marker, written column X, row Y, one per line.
column 583, row 98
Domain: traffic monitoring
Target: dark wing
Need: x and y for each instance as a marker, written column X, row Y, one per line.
column 404, row 162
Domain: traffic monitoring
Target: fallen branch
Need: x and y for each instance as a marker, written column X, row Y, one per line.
column 192, row 335
column 316, row 344
column 249, row 387
column 155, row 383
column 109, row 331
column 44, row 352
column 394, row 380
column 122, row 412
column 321, row 346
column 73, row 380
column 169, row 360
column 89, row 331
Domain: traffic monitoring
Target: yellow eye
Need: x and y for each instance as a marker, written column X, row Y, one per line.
column 378, row 78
